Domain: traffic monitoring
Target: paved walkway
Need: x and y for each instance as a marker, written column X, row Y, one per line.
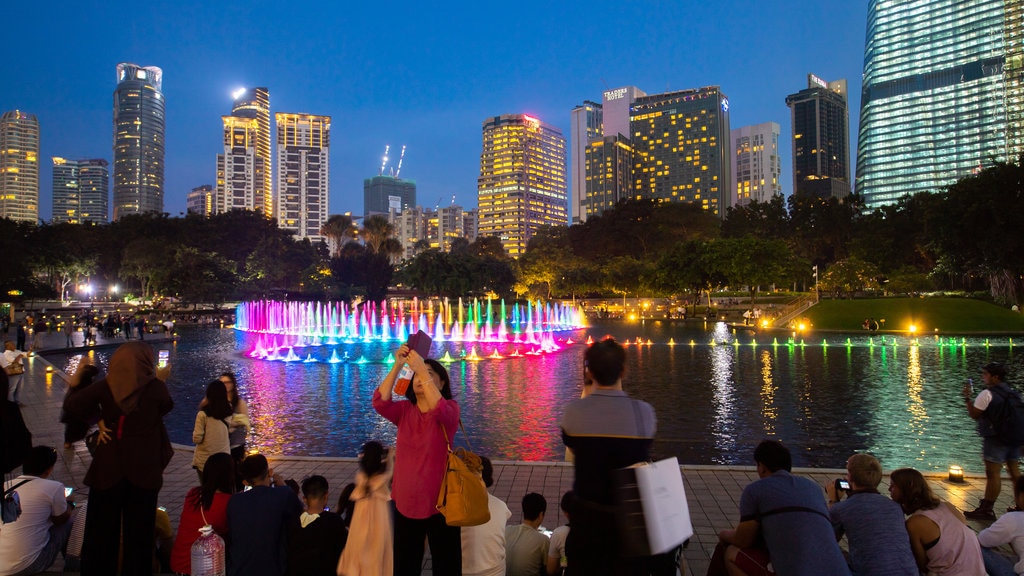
column 712, row 491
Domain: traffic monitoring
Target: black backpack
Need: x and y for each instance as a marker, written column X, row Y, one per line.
column 1008, row 417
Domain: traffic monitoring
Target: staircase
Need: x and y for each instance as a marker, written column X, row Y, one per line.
column 793, row 310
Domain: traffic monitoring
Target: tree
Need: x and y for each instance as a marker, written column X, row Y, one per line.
column 759, row 219
column 339, row 229
column 146, row 260
column 849, row 276
column 751, row 262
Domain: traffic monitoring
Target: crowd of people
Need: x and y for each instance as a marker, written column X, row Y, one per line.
column 387, row 518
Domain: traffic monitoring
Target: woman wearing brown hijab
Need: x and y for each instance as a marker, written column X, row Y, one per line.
column 127, row 467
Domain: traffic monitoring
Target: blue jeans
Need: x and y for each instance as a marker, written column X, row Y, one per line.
column 47, row 556
column 996, row 563
column 994, row 451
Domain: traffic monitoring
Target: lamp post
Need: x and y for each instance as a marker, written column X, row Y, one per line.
column 817, row 295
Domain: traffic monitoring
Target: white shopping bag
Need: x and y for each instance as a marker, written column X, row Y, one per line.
column 654, row 515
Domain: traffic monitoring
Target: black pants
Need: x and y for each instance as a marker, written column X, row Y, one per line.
column 592, row 547
column 445, row 545
column 123, row 508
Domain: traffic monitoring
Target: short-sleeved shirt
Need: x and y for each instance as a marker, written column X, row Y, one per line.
column 556, row 548
column 875, row 528
column 795, row 524
column 22, row 541
column 1008, row 529
column 526, row 550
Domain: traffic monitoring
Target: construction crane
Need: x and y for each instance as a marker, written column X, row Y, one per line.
column 384, row 162
column 400, row 158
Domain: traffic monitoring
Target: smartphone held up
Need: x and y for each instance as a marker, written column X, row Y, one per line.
column 420, row 342
column 162, row 357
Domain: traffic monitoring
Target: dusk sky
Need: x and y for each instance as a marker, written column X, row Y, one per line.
column 420, row 74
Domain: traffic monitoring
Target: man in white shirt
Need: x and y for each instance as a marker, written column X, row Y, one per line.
column 526, row 548
column 483, row 547
column 29, row 545
column 10, row 356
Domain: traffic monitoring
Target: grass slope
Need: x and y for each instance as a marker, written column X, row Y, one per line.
column 946, row 315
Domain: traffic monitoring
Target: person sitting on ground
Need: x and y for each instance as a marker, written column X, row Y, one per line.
column 259, row 520
column 1008, row 529
column 483, row 546
column 211, row 431
column 942, row 542
column 872, row 523
column 316, row 542
column 526, row 547
column 557, row 560
column 204, row 504
column 788, row 514
column 29, row 545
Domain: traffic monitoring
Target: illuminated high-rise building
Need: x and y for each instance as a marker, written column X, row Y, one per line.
column 138, row 140
column 609, row 174
column 941, row 95
column 757, row 167
column 821, row 139
column 585, row 127
column 201, row 200
column 240, row 170
column 681, row 148
column 303, row 173
column 382, row 194
column 80, row 191
column 522, row 183
column 254, row 103
column 19, row 166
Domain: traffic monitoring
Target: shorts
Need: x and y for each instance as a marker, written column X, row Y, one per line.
column 994, row 451
column 755, row 562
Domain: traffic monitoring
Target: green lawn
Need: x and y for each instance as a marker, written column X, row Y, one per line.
column 947, row 315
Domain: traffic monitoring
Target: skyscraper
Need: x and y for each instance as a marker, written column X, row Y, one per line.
column 255, row 103
column 585, row 126
column 821, row 134
column 240, row 170
column 303, row 173
column 681, row 148
column 941, row 94
column 757, row 167
column 138, row 140
column 381, row 194
column 522, row 180
column 201, row 200
column 80, row 191
column 609, row 174
column 19, row 166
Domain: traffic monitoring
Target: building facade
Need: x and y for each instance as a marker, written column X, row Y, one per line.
column 303, row 173
column 820, row 119
column 522, row 183
column 382, row 194
column 201, row 200
column 81, row 191
column 609, row 174
column 241, row 172
column 585, row 126
column 254, row 103
column 942, row 94
column 757, row 166
column 420, row 229
column 138, row 140
column 19, row 166
column 681, row 148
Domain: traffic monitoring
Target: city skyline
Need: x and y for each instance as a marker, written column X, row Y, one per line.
column 427, row 84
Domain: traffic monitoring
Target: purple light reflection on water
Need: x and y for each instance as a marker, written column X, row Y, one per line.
column 714, row 403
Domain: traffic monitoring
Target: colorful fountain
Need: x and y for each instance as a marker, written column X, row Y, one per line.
column 288, row 331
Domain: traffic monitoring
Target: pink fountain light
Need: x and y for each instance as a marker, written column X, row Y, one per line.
column 287, row 331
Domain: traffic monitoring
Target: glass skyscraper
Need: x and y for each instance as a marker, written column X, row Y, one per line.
column 19, row 166
column 255, row 103
column 138, row 140
column 80, row 191
column 820, row 119
column 941, row 94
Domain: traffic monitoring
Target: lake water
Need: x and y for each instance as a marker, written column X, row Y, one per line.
column 717, row 393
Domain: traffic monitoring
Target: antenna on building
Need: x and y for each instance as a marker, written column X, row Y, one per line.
column 384, row 161
column 400, row 158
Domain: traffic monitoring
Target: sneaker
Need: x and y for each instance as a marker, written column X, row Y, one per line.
column 981, row 514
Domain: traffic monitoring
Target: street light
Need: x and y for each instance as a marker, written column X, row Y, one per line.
column 817, row 296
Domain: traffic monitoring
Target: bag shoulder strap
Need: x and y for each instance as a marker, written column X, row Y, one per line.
column 11, row 489
column 461, row 427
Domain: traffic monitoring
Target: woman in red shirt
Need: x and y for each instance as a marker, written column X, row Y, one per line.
column 205, row 504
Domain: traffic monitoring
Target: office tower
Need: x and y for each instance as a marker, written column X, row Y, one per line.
column 19, row 166
column 941, row 94
column 585, row 126
column 201, row 200
column 303, row 170
column 381, row 194
column 609, row 174
column 681, row 147
column 138, row 140
column 757, row 167
column 522, row 180
column 820, row 119
column 254, row 103
column 616, row 104
column 240, row 170
column 80, row 191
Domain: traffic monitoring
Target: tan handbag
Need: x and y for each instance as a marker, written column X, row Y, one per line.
column 463, row 497
column 15, row 368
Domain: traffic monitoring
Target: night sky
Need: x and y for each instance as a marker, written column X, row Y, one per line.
column 421, row 74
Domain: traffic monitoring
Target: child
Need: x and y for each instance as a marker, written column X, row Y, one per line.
column 369, row 549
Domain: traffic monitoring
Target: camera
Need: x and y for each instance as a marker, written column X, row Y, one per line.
column 842, row 484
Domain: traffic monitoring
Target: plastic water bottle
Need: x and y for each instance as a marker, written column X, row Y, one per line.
column 208, row 553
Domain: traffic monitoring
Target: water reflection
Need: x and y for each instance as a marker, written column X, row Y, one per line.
column 715, row 399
